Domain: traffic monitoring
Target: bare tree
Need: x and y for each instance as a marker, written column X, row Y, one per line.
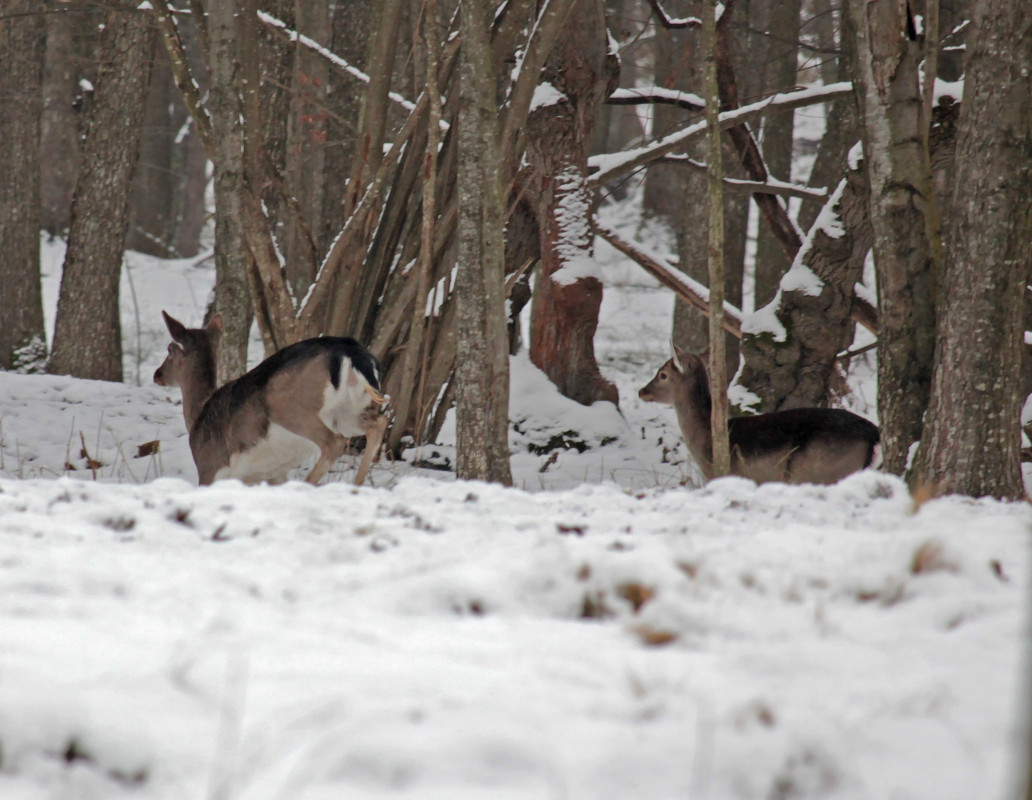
column 886, row 77
column 715, row 176
column 971, row 439
column 482, row 374
column 87, row 331
column 23, row 344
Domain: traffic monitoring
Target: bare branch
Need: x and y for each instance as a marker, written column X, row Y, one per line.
column 770, row 186
column 671, row 23
column 616, row 165
column 656, row 95
column 182, row 74
column 692, row 292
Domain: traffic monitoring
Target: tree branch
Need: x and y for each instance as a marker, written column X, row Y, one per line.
column 612, row 166
column 692, row 292
column 656, row 95
column 669, row 22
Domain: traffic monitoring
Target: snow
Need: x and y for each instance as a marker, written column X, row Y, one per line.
column 602, row 630
column 545, row 94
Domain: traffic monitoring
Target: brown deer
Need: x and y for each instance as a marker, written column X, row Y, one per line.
column 799, row 445
column 314, row 393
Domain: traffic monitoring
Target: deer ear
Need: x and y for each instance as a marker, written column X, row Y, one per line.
column 680, row 357
column 175, row 327
column 215, row 324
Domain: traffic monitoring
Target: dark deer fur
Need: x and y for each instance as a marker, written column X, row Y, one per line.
column 316, row 392
column 799, row 445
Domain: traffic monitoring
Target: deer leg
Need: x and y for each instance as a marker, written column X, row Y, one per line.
column 331, row 447
column 375, row 424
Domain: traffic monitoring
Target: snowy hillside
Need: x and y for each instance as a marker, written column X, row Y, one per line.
column 599, row 631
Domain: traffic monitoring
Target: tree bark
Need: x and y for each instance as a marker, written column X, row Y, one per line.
column 152, row 221
column 886, row 81
column 482, row 374
column 564, row 314
column 233, row 259
column 841, row 126
column 71, row 40
column 813, row 309
column 23, row 344
column 721, row 464
column 971, row 443
column 87, row 332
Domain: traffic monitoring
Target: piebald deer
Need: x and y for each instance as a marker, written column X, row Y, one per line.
column 314, row 393
column 799, row 445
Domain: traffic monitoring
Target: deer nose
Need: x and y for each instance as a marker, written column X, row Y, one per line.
column 645, row 395
column 159, row 378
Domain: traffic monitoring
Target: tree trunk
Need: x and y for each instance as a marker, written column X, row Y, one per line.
column 886, row 78
column 564, row 314
column 779, row 75
column 152, row 222
column 233, row 261
column 71, row 39
column 87, row 332
column 841, row 125
column 721, row 464
column 482, row 374
column 792, row 367
column 23, row 344
column 972, row 437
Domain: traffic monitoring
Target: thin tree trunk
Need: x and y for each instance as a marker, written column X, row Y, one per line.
column 482, row 374
column 87, row 332
column 715, row 192
column 971, row 443
column 233, row 261
column 886, row 80
column 23, row 345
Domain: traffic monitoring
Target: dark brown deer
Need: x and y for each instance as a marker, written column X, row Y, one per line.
column 799, row 445
column 316, row 392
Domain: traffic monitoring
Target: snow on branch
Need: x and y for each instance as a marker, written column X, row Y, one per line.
column 615, row 165
column 656, row 95
column 689, row 290
column 333, row 58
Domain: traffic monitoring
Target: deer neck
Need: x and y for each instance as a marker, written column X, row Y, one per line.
column 197, row 387
column 695, row 427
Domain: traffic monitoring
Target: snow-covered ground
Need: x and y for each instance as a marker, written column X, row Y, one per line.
column 599, row 631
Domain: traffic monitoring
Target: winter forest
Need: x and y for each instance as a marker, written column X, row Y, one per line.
column 630, row 284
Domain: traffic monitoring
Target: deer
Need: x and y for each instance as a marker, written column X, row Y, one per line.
column 314, row 394
column 797, row 445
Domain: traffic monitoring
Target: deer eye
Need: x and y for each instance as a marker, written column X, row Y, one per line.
column 663, row 375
